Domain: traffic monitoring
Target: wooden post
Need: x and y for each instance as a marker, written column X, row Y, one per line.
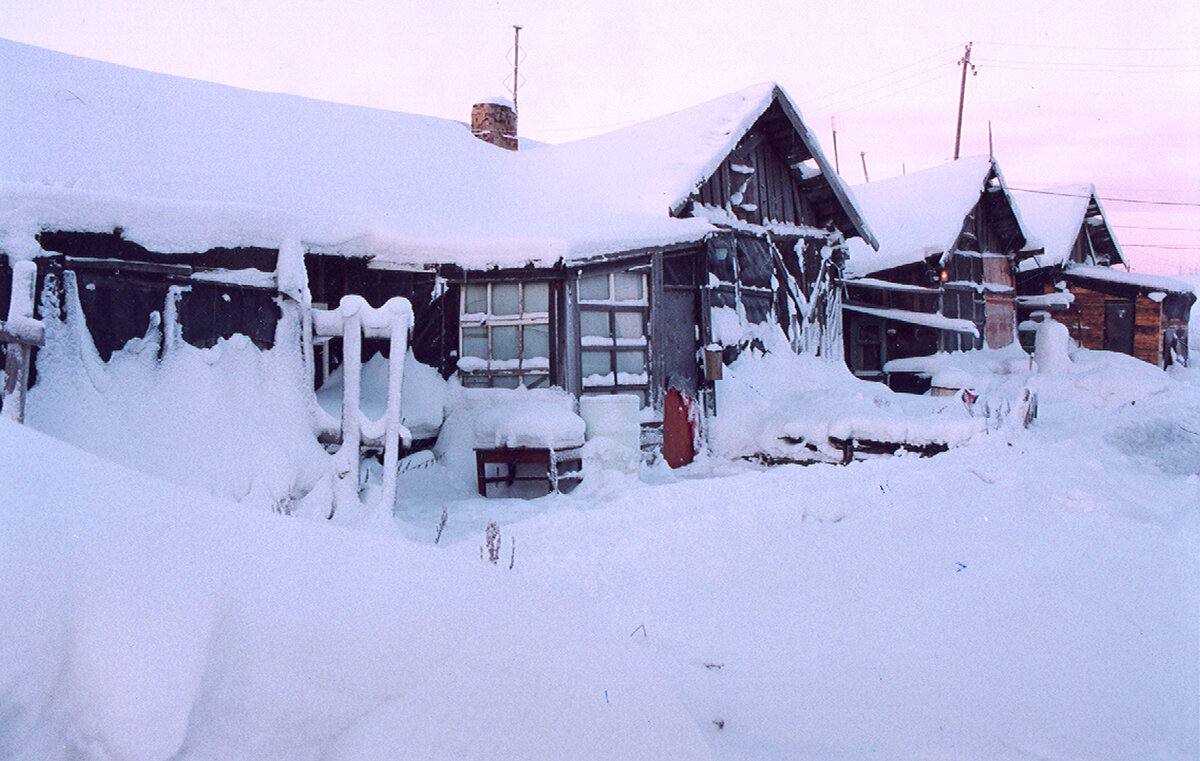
column 833, row 127
column 516, row 65
column 21, row 332
column 962, row 91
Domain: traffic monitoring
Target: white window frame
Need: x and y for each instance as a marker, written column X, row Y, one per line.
column 522, row 369
column 616, row 382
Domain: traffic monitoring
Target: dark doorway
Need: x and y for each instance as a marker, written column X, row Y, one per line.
column 1118, row 326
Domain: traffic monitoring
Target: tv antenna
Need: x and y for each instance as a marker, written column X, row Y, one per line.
column 517, row 81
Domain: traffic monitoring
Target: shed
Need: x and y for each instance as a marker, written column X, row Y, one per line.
column 942, row 278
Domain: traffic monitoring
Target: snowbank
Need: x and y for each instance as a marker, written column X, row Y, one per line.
column 227, row 634
column 1030, row 595
column 790, row 407
column 422, row 395
column 232, row 420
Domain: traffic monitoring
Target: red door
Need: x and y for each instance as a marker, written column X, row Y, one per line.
column 678, row 429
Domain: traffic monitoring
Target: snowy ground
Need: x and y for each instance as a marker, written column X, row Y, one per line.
column 1029, row 594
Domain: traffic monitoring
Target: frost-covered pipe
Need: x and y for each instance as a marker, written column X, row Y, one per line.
column 172, row 330
column 400, row 313
column 353, row 319
column 351, row 371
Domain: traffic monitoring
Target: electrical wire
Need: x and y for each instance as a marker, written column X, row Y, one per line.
column 1167, row 229
column 842, row 91
column 1190, row 204
column 1089, row 48
column 1088, row 68
column 1164, row 246
column 890, row 87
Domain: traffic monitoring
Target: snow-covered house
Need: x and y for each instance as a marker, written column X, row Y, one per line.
column 156, row 203
column 941, row 278
column 1081, row 277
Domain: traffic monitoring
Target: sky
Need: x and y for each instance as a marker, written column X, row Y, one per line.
column 1107, row 92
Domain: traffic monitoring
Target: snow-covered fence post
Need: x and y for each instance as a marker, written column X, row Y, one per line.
column 21, row 332
column 353, row 319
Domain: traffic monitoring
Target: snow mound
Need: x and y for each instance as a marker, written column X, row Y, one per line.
column 422, row 395
column 529, row 423
column 141, row 621
column 232, row 420
column 1051, row 346
column 789, row 406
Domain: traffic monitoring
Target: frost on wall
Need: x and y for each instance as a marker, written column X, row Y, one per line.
column 761, row 285
column 231, row 420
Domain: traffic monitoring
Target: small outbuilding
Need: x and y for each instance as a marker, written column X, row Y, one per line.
column 942, row 278
column 1080, row 276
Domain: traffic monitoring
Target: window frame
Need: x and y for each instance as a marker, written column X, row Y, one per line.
column 612, row 344
column 506, row 373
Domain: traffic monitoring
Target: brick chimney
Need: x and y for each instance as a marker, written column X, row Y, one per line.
column 494, row 121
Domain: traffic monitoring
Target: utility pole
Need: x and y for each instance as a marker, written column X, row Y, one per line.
column 863, row 155
column 517, row 63
column 833, row 126
column 962, row 90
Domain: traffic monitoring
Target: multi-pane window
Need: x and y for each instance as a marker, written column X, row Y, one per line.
column 613, row 313
column 504, row 334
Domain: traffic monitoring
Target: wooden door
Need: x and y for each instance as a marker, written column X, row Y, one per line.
column 1118, row 326
column 678, row 429
column 677, row 342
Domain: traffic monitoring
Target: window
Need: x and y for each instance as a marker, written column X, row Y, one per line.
column 614, row 311
column 504, row 334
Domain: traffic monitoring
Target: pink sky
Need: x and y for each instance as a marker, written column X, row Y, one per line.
column 1107, row 92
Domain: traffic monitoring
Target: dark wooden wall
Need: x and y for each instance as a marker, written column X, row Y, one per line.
column 435, row 315
column 768, row 189
column 121, row 285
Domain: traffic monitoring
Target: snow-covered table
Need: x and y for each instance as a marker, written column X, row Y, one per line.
column 559, row 466
column 543, row 435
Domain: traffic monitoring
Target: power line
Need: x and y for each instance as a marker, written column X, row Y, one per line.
column 852, row 103
column 1109, row 200
column 843, row 90
column 1167, row 229
column 1089, row 68
column 1165, row 246
column 1090, row 48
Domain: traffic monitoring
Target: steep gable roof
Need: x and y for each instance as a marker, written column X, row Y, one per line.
column 661, row 163
column 183, row 165
column 1057, row 216
column 921, row 214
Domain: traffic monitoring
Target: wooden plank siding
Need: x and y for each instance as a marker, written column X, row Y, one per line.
column 1085, row 321
column 1000, row 310
column 770, row 190
column 1147, row 331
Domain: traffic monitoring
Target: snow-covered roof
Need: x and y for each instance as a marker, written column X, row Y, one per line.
column 1055, row 217
column 917, row 318
column 182, row 165
column 1136, row 279
column 919, row 214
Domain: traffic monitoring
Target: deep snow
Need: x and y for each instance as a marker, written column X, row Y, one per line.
column 1030, row 593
